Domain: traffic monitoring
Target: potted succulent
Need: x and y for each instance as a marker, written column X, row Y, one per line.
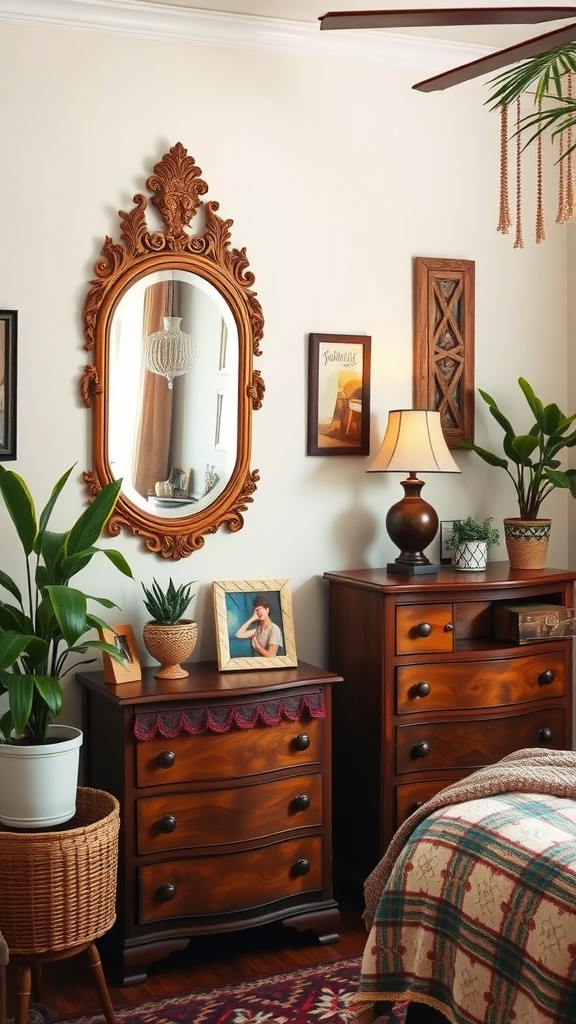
column 531, row 461
column 471, row 538
column 168, row 637
column 39, row 632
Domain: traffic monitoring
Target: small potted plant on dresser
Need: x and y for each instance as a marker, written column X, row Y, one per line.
column 168, row 637
column 531, row 461
column 38, row 634
column 471, row 538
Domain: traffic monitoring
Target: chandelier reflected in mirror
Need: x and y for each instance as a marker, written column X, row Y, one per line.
column 170, row 352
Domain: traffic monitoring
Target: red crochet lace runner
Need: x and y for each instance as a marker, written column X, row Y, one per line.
column 222, row 717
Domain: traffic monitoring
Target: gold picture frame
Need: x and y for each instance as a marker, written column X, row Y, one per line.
column 122, row 637
column 236, row 617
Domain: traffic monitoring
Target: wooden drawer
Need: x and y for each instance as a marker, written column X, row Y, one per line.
column 412, row 795
column 472, row 743
column 238, row 753
column 229, row 883
column 424, row 628
column 217, row 817
column 479, row 684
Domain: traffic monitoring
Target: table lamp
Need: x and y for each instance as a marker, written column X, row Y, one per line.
column 413, row 438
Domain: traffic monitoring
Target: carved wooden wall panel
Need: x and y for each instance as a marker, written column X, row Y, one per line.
column 444, row 344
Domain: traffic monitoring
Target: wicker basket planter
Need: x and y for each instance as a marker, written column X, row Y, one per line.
column 170, row 644
column 527, row 542
column 59, row 887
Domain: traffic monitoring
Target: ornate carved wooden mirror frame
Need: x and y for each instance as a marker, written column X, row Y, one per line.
column 176, row 187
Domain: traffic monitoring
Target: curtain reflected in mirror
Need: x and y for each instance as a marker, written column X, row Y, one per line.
column 174, row 442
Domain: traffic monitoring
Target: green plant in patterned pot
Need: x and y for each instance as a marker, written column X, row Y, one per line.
column 531, row 461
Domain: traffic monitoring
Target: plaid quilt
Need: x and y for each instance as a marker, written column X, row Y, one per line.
column 478, row 917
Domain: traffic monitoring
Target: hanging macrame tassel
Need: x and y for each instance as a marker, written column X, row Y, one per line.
column 504, row 221
column 540, row 226
column 569, row 168
column 566, row 173
column 561, row 181
column 518, row 241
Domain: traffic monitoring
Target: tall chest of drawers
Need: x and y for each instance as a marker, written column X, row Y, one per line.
column 431, row 694
column 224, row 785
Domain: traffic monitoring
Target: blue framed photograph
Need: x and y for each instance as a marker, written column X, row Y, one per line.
column 254, row 624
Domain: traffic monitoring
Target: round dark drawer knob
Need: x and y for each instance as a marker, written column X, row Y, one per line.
column 167, row 892
column 416, row 805
column 423, row 629
column 167, row 823
column 302, row 741
column 546, row 735
column 423, row 689
column 421, row 749
column 548, row 677
column 167, row 759
column 302, row 802
column 449, row 627
column 302, row 866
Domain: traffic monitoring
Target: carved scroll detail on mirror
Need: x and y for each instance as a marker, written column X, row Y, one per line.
column 172, row 405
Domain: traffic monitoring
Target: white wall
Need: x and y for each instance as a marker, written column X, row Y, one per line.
column 336, row 174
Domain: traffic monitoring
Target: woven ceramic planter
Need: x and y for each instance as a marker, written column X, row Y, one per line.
column 527, row 542
column 170, row 644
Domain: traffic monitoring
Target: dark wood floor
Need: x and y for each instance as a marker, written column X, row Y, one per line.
column 207, row 962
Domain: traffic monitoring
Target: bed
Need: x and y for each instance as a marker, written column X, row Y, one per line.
column 472, row 910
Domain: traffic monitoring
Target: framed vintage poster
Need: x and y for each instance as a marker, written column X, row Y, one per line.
column 123, row 639
column 444, row 343
column 338, row 394
column 254, row 625
column 8, row 367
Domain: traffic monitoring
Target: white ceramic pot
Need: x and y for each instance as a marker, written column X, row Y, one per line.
column 38, row 784
column 471, row 556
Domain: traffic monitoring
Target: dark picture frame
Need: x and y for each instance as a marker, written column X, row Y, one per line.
column 8, row 382
column 446, row 528
column 338, row 394
column 235, row 603
column 444, row 343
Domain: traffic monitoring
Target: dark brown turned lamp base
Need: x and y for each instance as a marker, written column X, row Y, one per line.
column 412, row 524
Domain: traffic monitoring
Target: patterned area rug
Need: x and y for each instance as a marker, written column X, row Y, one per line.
column 308, row 996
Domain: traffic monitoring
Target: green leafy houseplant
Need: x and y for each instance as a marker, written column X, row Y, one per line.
column 531, row 459
column 40, row 631
column 166, row 606
column 471, row 529
column 545, row 76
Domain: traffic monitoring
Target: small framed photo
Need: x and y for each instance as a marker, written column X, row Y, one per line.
column 123, row 639
column 8, row 373
column 338, row 394
column 254, row 625
column 446, row 527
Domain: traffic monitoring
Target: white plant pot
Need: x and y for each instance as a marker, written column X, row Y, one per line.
column 471, row 556
column 38, row 784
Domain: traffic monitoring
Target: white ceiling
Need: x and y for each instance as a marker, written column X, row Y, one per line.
column 311, row 10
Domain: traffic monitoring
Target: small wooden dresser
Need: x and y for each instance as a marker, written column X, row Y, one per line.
column 431, row 694
column 225, row 803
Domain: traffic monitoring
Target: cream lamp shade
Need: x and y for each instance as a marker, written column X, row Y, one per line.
column 414, row 442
